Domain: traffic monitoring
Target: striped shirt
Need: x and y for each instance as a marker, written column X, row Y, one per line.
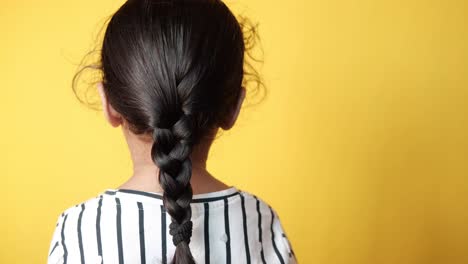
column 129, row 226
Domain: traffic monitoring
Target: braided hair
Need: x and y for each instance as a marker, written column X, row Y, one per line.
column 174, row 69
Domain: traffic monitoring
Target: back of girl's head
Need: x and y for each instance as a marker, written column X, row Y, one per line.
column 174, row 70
column 166, row 61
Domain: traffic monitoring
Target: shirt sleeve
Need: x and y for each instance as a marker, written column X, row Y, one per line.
column 284, row 245
column 55, row 255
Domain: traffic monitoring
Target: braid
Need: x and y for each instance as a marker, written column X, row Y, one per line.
column 171, row 153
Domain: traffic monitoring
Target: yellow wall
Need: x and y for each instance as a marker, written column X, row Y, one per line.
column 361, row 145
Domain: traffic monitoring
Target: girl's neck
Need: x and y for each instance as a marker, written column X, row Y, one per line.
column 145, row 178
column 145, row 172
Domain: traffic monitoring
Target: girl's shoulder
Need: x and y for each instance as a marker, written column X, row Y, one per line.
column 57, row 252
column 275, row 246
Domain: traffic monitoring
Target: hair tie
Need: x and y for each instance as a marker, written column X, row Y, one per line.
column 181, row 232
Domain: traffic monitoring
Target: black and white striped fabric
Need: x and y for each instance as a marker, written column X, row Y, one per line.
column 128, row 226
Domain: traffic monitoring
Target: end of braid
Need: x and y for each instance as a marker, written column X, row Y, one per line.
column 181, row 256
column 171, row 151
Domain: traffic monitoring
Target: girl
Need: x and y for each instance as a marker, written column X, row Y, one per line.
column 172, row 73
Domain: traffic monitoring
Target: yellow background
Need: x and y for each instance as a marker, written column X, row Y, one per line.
column 361, row 144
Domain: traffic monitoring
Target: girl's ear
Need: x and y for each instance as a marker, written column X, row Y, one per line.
column 112, row 116
column 235, row 113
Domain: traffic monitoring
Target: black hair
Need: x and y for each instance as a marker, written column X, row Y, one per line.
column 174, row 69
